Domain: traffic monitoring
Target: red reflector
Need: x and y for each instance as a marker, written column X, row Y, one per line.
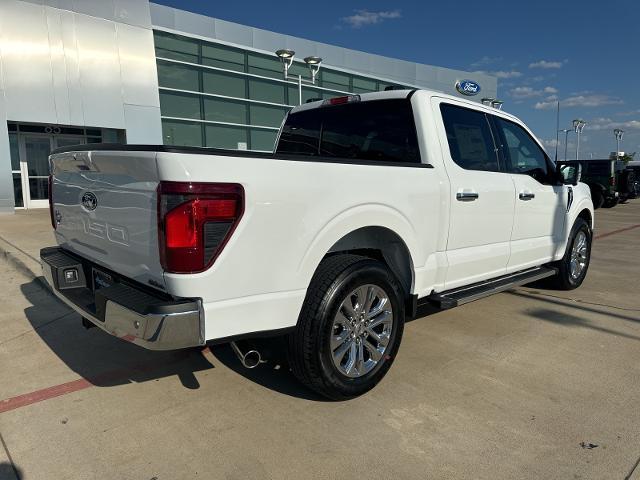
column 184, row 212
column 612, row 181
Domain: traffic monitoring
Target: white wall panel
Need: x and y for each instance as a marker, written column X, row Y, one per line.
column 133, row 12
column 138, row 66
column 27, row 77
column 72, row 67
column 143, row 124
column 100, row 76
column 58, row 67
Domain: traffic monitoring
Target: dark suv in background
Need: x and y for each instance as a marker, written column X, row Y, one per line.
column 601, row 176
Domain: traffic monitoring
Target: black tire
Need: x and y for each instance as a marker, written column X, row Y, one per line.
column 564, row 280
column 597, row 198
column 610, row 203
column 309, row 349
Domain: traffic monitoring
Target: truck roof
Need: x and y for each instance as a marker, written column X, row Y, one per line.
column 405, row 93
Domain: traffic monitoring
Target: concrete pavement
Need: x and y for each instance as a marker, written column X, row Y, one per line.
column 526, row 384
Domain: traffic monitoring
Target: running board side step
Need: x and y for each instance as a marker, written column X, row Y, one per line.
column 469, row 293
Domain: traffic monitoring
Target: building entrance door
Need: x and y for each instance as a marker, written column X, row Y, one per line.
column 34, row 149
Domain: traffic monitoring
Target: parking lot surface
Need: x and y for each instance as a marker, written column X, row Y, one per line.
column 529, row 383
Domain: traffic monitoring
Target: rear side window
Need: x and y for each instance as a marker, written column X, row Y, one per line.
column 470, row 140
column 377, row 130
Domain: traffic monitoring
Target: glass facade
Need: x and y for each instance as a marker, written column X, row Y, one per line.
column 215, row 95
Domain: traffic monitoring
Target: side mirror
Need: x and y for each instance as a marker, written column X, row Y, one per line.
column 569, row 173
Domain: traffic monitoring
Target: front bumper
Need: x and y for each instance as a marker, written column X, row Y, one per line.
column 122, row 309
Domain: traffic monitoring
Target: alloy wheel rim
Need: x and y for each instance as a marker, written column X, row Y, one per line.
column 579, row 254
column 361, row 331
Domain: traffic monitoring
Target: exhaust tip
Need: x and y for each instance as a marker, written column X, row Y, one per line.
column 252, row 359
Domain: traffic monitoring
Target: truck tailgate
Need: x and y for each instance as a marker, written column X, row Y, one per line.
column 105, row 206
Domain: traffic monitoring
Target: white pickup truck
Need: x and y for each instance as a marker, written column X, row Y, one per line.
column 371, row 206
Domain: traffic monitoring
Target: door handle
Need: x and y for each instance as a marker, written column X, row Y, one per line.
column 526, row 196
column 467, row 196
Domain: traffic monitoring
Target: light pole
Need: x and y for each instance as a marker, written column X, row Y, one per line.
column 313, row 62
column 618, row 133
column 566, row 140
column 578, row 126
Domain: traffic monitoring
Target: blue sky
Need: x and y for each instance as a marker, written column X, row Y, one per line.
column 582, row 53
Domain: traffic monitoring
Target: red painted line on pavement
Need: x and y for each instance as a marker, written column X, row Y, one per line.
column 620, row 230
column 48, row 393
column 44, row 394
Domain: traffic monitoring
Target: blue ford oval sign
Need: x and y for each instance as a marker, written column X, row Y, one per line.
column 468, row 87
column 89, row 201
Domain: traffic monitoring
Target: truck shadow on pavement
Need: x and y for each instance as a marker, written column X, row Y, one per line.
column 9, row 472
column 96, row 356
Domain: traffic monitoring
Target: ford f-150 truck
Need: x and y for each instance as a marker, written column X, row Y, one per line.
column 370, row 207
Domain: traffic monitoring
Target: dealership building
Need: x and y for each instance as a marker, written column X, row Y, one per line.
column 86, row 71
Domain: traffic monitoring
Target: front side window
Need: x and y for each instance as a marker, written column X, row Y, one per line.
column 470, row 140
column 523, row 154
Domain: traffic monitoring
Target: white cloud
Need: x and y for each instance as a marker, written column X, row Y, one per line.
column 502, row 74
column 591, row 100
column 607, row 124
column 529, row 92
column 546, row 64
column 361, row 18
column 486, row 60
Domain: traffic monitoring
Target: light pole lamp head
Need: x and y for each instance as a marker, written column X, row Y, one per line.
column 618, row 133
column 578, row 125
column 286, row 57
column 313, row 63
column 495, row 103
column 488, row 101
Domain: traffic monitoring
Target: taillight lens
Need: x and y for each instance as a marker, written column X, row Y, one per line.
column 50, row 195
column 195, row 221
column 612, row 181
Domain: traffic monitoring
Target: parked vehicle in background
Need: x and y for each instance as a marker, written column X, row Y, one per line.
column 600, row 176
column 371, row 206
column 631, row 179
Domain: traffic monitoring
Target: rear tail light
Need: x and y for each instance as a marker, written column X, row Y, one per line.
column 50, row 195
column 612, row 181
column 195, row 221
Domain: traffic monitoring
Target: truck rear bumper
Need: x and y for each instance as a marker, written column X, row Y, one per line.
column 120, row 308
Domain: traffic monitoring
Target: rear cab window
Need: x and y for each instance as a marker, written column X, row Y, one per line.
column 375, row 130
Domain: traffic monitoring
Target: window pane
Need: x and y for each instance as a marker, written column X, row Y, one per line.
column 220, row 136
column 263, row 140
column 381, row 130
column 337, row 80
column 469, row 136
column 13, row 148
column 523, row 153
column 226, row 84
column 265, row 66
column 179, row 105
column 182, row 133
column 307, row 94
column 362, row 85
column 296, row 69
column 223, row 57
column 176, row 48
column 267, row 116
column 17, row 189
column 221, row 110
column 301, row 133
column 178, row 76
column 266, row 91
column 39, row 188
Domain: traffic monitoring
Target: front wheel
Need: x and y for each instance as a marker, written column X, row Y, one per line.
column 572, row 269
column 349, row 329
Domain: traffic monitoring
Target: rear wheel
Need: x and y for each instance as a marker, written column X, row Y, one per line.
column 572, row 269
column 598, row 199
column 349, row 329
